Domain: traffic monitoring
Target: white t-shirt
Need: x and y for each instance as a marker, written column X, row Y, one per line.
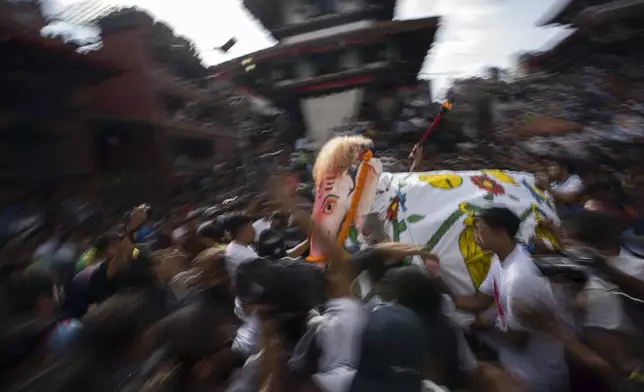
column 236, row 254
column 540, row 364
column 260, row 226
column 339, row 332
column 605, row 308
column 571, row 184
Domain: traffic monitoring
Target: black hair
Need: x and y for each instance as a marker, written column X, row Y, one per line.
column 413, row 288
column 279, row 216
column 607, row 191
column 501, row 218
column 291, row 287
column 234, row 223
column 211, row 229
column 566, row 163
column 592, row 228
column 211, row 212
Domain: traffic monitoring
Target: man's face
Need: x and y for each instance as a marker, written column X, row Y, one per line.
column 485, row 236
column 279, row 223
column 247, row 233
column 554, row 170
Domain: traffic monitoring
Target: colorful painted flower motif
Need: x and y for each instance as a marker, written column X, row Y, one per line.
column 392, row 211
column 488, row 184
column 402, row 200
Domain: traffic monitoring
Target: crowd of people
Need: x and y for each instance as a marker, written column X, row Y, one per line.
column 213, row 292
column 217, row 296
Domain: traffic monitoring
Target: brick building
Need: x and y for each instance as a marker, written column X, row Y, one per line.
column 158, row 117
column 45, row 130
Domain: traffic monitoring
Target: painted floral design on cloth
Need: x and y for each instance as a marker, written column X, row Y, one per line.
column 398, row 223
column 394, row 206
column 487, row 184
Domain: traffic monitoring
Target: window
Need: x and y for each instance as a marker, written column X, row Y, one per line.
column 345, row 6
column 326, row 63
column 321, row 7
column 284, row 72
column 374, row 53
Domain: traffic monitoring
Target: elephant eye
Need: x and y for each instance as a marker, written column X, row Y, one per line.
column 329, row 205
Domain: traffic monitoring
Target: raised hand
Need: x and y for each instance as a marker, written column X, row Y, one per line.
column 138, row 216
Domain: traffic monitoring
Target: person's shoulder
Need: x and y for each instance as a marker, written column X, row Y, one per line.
column 267, row 233
column 521, row 256
column 628, row 264
column 522, row 261
column 495, row 263
column 574, row 178
column 231, row 247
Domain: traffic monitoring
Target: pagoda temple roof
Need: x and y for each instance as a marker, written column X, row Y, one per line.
column 564, row 14
column 268, row 12
column 421, row 31
column 611, row 12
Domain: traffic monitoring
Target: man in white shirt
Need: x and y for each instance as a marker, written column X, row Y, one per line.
column 240, row 228
column 259, row 226
column 564, row 186
column 239, row 251
column 533, row 358
column 609, row 327
column 563, row 179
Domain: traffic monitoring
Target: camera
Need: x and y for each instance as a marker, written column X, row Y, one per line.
column 576, row 264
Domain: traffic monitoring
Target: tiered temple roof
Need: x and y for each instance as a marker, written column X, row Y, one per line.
column 566, row 14
column 414, row 38
column 596, row 30
column 578, row 13
column 269, row 14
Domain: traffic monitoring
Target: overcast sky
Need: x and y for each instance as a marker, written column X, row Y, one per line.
column 474, row 33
